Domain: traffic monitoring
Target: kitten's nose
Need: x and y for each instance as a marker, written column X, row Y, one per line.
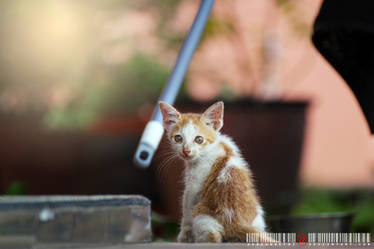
column 186, row 152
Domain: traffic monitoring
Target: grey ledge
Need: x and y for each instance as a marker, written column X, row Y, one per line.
column 75, row 219
column 68, row 201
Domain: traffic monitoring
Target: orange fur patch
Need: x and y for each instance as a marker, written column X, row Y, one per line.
column 232, row 203
column 214, row 237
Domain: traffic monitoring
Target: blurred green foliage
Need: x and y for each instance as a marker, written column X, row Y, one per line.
column 359, row 202
column 17, row 188
column 53, row 60
column 295, row 18
column 218, row 26
column 72, row 62
column 133, row 83
column 163, row 228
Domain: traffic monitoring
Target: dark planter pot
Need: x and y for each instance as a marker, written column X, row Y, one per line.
column 315, row 223
column 98, row 161
column 270, row 136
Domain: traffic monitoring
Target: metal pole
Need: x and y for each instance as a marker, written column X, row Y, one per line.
column 154, row 130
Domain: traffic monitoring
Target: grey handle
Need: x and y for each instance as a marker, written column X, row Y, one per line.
column 151, row 135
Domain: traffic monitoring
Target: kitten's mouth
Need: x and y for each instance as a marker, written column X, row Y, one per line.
column 186, row 157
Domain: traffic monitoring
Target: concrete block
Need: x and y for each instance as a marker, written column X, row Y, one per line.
column 76, row 219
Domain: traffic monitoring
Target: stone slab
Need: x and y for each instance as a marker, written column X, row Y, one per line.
column 75, row 219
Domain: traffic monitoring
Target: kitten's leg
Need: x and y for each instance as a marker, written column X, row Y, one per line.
column 207, row 229
column 185, row 235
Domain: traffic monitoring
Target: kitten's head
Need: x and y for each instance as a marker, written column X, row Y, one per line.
column 191, row 134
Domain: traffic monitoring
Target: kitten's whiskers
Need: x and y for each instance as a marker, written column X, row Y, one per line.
column 160, row 171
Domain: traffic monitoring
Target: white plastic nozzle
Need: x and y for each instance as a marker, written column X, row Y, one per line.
column 148, row 144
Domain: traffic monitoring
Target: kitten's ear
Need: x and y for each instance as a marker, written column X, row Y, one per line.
column 169, row 115
column 213, row 116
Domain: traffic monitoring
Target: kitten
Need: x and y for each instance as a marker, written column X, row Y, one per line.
column 220, row 202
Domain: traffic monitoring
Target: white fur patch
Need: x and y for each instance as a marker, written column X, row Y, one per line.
column 224, row 175
column 203, row 225
column 259, row 222
column 229, row 213
column 236, row 162
column 195, row 174
column 194, row 180
column 189, row 131
column 227, row 140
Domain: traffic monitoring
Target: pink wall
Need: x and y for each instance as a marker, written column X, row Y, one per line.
column 338, row 149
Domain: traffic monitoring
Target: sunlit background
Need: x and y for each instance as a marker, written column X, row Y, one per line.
column 79, row 80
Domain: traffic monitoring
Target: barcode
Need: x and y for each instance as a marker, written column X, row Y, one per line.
column 309, row 238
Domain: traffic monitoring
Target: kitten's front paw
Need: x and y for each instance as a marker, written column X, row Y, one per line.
column 185, row 235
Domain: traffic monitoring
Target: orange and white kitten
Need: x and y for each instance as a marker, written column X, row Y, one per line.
column 220, row 202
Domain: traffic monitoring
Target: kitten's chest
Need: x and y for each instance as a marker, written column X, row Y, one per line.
column 194, row 182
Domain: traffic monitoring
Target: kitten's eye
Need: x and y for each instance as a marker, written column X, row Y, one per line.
column 199, row 139
column 178, row 138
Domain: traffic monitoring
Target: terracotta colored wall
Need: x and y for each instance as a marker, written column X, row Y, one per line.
column 338, row 149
